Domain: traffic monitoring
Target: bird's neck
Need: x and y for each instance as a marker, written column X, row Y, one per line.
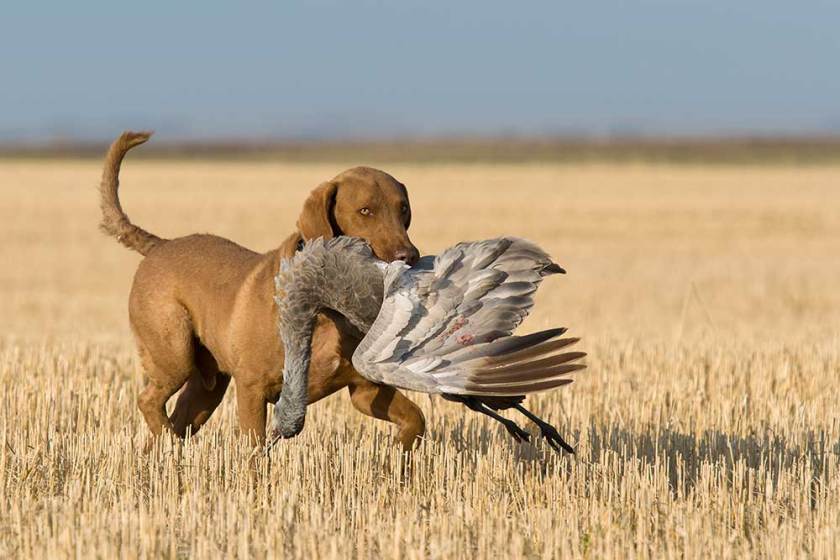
column 356, row 295
column 290, row 411
column 345, row 282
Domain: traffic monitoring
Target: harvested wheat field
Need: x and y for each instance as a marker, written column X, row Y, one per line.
column 706, row 424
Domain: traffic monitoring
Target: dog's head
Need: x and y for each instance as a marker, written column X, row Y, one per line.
column 366, row 203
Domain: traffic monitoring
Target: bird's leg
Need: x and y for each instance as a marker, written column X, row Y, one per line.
column 513, row 429
column 548, row 431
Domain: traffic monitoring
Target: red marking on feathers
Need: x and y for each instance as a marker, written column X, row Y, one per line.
column 457, row 324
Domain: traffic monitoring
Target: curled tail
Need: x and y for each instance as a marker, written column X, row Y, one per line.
column 114, row 221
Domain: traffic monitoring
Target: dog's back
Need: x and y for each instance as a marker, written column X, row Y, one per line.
column 205, row 277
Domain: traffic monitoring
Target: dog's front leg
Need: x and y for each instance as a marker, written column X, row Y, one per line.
column 251, row 404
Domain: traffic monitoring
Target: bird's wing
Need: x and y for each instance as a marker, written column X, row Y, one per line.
column 445, row 326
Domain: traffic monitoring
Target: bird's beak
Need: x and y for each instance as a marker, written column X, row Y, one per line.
column 554, row 268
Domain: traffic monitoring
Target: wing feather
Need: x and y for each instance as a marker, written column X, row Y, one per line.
column 446, row 326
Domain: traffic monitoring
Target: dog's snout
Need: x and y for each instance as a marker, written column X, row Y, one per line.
column 408, row 254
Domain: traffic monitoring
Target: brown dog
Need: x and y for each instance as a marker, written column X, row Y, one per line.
column 202, row 307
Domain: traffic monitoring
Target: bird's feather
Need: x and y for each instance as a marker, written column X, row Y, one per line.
column 446, row 326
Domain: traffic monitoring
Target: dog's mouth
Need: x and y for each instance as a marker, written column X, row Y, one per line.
column 410, row 259
column 408, row 256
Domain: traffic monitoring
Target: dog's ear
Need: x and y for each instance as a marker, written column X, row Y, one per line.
column 408, row 217
column 317, row 218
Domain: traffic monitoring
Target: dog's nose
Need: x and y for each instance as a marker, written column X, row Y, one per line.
column 409, row 254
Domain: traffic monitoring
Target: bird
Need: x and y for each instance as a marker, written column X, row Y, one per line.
column 443, row 326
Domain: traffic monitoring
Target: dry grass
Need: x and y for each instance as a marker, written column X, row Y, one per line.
column 706, row 424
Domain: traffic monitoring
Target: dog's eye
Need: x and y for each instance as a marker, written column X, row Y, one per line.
column 404, row 208
column 365, row 211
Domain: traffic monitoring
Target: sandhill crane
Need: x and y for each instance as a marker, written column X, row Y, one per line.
column 443, row 326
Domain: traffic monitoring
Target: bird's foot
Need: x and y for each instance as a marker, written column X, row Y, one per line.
column 515, row 431
column 552, row 436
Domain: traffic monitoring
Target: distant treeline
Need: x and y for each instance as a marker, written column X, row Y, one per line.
column 762, row 150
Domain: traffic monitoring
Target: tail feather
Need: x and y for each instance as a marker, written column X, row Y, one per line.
column 528, row 353
column 523, row 368
column 115, row 222
column 513, row 390
column 512, row 366
column 519, row 378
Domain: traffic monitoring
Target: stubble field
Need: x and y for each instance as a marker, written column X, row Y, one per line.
column 706, row 424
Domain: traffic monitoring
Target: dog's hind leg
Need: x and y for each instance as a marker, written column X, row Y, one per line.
column 153, row 398
column 198, row 401
column 167, row 355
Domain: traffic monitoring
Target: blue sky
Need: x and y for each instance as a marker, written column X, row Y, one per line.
column 368, row 69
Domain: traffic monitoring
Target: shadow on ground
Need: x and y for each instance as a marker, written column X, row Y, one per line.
column 682, row 456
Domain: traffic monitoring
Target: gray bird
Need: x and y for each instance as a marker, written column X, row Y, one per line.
column 441, row 327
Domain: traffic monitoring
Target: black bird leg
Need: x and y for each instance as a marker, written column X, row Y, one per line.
column 548, row 431
column 513, row 429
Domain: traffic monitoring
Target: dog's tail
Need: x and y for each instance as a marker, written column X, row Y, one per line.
column 114, row 221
